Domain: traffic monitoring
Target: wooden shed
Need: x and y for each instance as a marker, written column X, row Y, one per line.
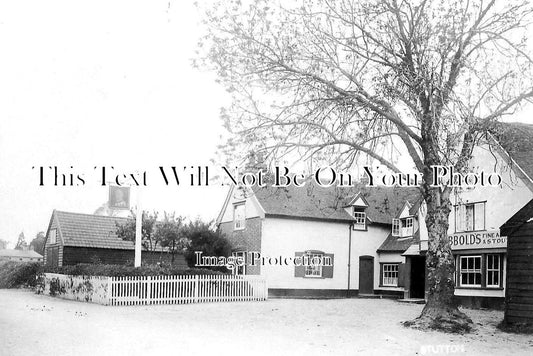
column 519, row 291
column 74, row 238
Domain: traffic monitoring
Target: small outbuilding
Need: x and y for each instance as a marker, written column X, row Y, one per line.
column 74, row 238
column 20, row 255
column 519, row 291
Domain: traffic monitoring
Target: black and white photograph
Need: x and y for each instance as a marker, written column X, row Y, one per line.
column 266, row 177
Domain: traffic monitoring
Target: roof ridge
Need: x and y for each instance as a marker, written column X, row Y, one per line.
column 99, row 216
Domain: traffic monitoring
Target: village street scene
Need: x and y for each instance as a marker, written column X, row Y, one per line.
column 268, row 178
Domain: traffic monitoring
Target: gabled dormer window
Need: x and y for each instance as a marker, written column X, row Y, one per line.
column 359, row 218
column 402, row 227
column 239, row 216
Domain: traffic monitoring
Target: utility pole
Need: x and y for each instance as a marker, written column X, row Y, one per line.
column 138, row 230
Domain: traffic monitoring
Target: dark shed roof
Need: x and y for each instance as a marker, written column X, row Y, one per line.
column 85, row 230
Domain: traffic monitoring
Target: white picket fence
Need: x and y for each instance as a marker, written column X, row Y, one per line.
column 186, row 289
column 149, row 290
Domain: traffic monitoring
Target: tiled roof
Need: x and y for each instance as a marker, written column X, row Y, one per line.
column 317, row 202
column 517, row 139
column 520, row 218
column 20, row 253
column 395, row 244
column 84, row 230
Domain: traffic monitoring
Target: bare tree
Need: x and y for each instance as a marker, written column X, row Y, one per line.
column 335, row 81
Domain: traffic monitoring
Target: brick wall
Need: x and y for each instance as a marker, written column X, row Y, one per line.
column 248, row 239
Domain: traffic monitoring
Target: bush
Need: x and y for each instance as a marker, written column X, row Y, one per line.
column 84, row 269
column 204, row 239
column 19, row 274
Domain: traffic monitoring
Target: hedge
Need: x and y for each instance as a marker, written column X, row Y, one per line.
column 85, row 269
column 24, row 274
column 17, row 274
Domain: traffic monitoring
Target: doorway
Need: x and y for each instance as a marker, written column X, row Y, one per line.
column 418, row 277
column 366, row 275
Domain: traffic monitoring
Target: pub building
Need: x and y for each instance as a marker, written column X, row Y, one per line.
column 480, row 250
column 376, row 236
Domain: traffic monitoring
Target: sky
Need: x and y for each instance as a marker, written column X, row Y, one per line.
column 103, row 83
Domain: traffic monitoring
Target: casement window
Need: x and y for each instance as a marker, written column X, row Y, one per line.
column 359, row 220
column 470, row 271
column 493, row 271
column 52, row 236
column 470, row 217
column 239, row 217
column 407, row 227
column 240, row 270
column 313, row 265
column 395, row 227
column 389, row 274
column 402, row 227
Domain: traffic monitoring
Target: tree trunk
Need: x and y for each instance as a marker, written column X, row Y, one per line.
column 440, row 311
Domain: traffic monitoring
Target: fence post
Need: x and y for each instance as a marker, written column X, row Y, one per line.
column 196, row 288
column 149, row 290
column 109, row 290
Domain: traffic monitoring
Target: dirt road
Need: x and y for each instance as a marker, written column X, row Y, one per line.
column 40, row 325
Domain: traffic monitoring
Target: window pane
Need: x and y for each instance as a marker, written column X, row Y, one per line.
column 469, row 218
column 479, row 216
column 493, row 270
column 459, row 216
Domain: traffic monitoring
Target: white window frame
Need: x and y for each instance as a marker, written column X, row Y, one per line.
column 406, row 230
column 239, row 270
column 360, row 220
column 495, row 271
column 470, row 270
column 390, row 274
column 395, row 227
column 52, row 236
column 239, row 224
column 462, row 224
column 313, row 271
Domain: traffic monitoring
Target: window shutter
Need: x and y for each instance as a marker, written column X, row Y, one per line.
column 401, row 275
column 299, row 271
column 327, row 271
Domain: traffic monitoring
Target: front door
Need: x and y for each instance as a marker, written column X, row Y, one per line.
column 418, row 277
column 366, row 275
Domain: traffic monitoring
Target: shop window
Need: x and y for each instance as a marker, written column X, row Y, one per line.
column 52, row 236
column 239, row 217
column 359, row 220
column 470, row 271
column 240, row 270
column 313, row 264
column 390, row 274
column 470, row 217
column 493, row 271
